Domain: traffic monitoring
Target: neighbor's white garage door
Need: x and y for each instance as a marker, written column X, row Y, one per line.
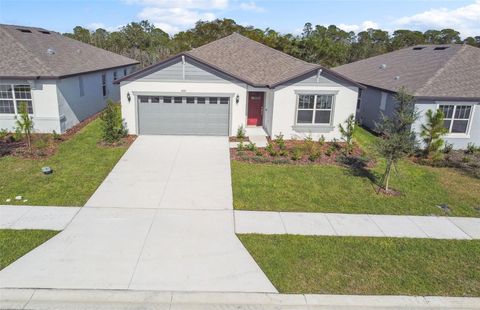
column 183, row 115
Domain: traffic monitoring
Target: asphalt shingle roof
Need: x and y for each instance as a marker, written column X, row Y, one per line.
column 425, row 70
column 28, row 52
column 251, row 61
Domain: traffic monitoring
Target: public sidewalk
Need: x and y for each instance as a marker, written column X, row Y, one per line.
column 118, row 299
column 34, row 217
column 332, row 224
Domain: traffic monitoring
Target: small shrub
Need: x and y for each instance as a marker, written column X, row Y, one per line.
column 24, row 124
column 241, row 133
column 271, row 150
column 283, row 153
column 3, row 133
column 310, row 147
column 448, row 148
column 347, row 132
column 56, row 136
column 314, row 156
column 321, row 140
column 240, row 146
column 41, row 144
column 296, row 154
column 280, row 141
column 259, row 159
column 280, row 161
column 471, row 148
column 258, row 153
column 251, row 147
column 466, row 159
column 112, row 124
column 335, row 144
column 331, row 149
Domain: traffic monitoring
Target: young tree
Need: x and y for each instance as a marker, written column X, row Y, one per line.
column 347, row 131
column 25, row 123
column 112, row 123
column 432, row 132
column 397, row 138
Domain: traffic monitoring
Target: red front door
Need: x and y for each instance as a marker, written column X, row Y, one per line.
column 255, row 108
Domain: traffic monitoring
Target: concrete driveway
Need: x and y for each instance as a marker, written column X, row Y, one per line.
column 161, row 220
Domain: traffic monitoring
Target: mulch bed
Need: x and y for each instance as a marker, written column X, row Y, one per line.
column 126, row 141
column 458, row 159
column 329, row 153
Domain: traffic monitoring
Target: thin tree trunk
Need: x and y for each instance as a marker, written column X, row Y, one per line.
column 387, row 174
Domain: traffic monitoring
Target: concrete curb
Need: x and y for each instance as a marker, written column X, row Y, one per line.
column 128, row 299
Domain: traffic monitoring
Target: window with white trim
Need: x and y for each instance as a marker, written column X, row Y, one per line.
column 12, row 96
column 314, row 109
column 456, row 117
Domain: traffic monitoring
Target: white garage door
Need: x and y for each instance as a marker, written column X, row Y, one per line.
column 183, row 115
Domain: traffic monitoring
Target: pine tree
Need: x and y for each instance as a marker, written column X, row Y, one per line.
column 432, row 132
column 397, row 138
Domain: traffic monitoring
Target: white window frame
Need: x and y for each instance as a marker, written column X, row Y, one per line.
column 14, row 99
column 451, row 134
column 383, row 101
column 315, row 94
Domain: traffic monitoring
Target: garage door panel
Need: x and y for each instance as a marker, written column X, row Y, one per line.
column 183, row 118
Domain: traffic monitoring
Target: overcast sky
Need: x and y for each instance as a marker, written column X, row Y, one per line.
column 284, row 16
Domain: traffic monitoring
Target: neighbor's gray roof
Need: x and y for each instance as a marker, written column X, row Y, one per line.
column 452, row 72
column 248, row 61
column 25, row 54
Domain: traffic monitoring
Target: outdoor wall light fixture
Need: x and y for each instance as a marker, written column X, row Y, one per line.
column 129, row 97
column 237, row 99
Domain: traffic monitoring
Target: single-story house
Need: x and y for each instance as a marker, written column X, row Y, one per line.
column 62, row 81
column 445, row 77
column 235, row 81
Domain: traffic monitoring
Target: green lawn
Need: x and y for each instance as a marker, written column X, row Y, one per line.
column 355, row 265
column 80, row 165
column 331, row 188
column 16, row 243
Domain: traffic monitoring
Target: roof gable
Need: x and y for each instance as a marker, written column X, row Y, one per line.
column 425, row 70
column 36, row 52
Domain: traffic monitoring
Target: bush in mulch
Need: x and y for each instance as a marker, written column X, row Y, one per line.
column 464, row 160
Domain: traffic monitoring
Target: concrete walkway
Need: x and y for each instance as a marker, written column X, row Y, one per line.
column 28, row 217
column 161, row 220
column 114, row 299
column 330, row 224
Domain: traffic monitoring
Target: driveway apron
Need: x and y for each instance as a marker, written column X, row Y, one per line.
column 161, row 220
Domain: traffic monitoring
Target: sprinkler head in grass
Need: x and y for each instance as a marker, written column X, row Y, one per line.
column 47, row 170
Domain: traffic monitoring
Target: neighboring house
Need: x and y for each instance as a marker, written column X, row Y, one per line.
column 445, row 77
column 233, row 82
column 63, row 81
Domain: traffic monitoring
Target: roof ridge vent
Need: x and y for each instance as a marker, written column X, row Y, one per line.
column 418, row 48
column 44, row 31
column 24, row 30
column 440, row 48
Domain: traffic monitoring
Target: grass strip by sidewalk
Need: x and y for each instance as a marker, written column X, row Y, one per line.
column 79, row 166
column 16, row 243
column 359, row 265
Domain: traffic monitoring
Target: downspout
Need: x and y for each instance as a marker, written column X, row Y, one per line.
column 319, row 72
column 183, row 67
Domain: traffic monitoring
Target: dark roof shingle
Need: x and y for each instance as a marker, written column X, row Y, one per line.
column 36, row 52
column 425, row 70
column 251, row 60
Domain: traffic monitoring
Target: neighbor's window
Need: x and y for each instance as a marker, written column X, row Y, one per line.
column 124, row 72
column 114, row 75
column 314, row 109
column 104, row 84
column 456, row 117
column 12, row 96
column 359, row 98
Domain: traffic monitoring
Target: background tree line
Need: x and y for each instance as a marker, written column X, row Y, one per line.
column 329, row 46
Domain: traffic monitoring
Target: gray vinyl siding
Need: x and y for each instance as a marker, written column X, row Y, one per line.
column 311, row 79
column 191, row 71
column 369, row 113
